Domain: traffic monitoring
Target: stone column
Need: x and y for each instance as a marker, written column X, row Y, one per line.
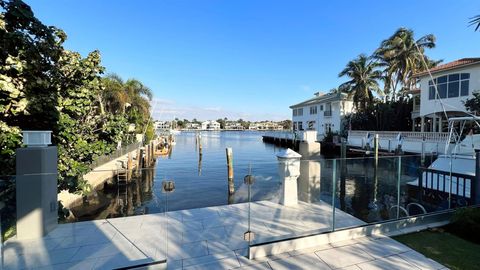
column 289, row 171
column 36, row 190
column 422, row 124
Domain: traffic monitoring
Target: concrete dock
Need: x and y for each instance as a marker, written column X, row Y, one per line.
column 207, row 238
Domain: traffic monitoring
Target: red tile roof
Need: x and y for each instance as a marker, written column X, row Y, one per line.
column 451, row 65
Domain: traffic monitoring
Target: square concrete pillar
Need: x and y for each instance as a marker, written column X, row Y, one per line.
column 36, row 190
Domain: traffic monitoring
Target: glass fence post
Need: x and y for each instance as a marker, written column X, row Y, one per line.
column 334, row 177
column 450, row 185
column 399, row 175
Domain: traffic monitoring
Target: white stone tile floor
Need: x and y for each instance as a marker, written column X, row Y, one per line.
column 208, row 238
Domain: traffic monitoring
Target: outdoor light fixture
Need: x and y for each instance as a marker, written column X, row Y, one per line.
column 37, row 138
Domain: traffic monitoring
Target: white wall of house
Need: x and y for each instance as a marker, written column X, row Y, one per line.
column 452, row 104
column 327, row 116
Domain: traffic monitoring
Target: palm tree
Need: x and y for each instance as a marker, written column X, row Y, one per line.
column 113, row 98
column 402, row 56
column 363, row 81
column 475, row 21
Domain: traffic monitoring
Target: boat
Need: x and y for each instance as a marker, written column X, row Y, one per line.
column 452, row 174
column 174, row 131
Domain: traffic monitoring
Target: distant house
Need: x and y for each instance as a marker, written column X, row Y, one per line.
column 265, row 125
column 162, row 125
column 323, row 113
column 210, row 125
column 456, row 82
column 233, row 126
column 193, row 126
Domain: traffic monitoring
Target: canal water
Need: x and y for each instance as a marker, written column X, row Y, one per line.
column 200, row 180
column 362, row 189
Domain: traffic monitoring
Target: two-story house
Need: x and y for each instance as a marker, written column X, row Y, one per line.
column 210, row 125
column 323, row 113
column 455, row 82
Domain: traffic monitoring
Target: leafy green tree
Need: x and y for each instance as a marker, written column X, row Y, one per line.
column 473, row 104
column 286, row 124
column 222, row 122
column 363, row 81
column 401, row 56
column 391, row 116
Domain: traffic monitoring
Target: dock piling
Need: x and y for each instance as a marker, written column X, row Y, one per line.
column 129, row 166
column 231, row 186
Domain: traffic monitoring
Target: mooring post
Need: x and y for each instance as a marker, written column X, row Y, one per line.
column 475, row 185
column 137, row 163
column 289, row 171
column 231, row 186
column 423, row 151
column 343, row 149
column 129, row 166
column 152, row 152
column 141, row 161
column 376, row 149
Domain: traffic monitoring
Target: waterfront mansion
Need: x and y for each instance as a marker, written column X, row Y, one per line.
column 456, row 82
column 323, row 113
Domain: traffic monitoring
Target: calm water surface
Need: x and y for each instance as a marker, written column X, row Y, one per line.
column 201, row 181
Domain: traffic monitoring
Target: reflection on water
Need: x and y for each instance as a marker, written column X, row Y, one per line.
column 362, row 189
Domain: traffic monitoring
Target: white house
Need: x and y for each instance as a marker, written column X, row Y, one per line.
column 193, row 126
column 233, row 126
column 162, row 125
column 456, row 82
column 265, row 125
column 210, row 125
column 323, row 113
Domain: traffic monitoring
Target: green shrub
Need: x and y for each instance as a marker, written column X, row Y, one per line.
column 466, row 224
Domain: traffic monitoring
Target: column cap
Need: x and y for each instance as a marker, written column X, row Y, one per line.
column 288, row 154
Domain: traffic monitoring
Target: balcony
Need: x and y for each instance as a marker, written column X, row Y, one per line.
column 327, row 113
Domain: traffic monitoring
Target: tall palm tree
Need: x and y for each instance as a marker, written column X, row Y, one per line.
column 402, row 56
column 475, row 21
column 113, row 97
column 363, row 81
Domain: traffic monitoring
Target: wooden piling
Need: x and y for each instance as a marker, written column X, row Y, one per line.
column 376, row 149
column 129, row 166
column 231, row 186
column 152, row 152
column 137, row 163
column 147, row 156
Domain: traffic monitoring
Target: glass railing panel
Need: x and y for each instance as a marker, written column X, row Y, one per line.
column 366, row 191
column 443, row 182
column 296, row 201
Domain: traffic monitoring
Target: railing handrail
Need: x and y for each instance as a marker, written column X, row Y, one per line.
column 103, row 159
column 454, row 174
column 443, row 136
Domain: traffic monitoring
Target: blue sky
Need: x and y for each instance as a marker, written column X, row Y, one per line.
column 248, row 59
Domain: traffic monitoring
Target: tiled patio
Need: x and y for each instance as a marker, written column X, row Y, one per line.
column 207, row 238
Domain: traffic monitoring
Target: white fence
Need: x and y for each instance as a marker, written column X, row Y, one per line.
column 305, row 136
column 413, row 142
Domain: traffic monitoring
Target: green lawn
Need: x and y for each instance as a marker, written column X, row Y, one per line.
column 447, row 249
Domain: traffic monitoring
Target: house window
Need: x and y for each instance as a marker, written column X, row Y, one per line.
column 313, row 110
column 449, row 86
column 294, row 112
column 300, row 112
column 311, row 125
column 300, row 125
column 321, row 107
column 328, row 128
